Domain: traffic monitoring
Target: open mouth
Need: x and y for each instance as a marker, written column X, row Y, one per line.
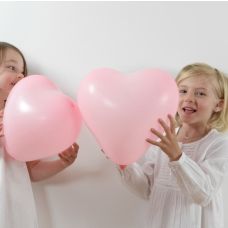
column 189, row 110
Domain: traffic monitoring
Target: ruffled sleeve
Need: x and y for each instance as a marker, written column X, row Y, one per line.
column 202, row 180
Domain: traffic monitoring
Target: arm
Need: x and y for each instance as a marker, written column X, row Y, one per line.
column 136, row 180
column 201, row 181
column 40, row 170
column 133, row 177
column 139, row 178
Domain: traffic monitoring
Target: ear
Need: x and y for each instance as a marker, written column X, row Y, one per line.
column 219, row 106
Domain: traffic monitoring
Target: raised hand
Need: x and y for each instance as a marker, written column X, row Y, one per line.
column 168, row 142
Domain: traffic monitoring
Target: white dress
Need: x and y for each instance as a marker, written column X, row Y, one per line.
column 17, row 205
column 185, row 193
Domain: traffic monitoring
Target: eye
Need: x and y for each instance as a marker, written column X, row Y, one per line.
column 12, row 68
column 182, row 91
column 200, row 94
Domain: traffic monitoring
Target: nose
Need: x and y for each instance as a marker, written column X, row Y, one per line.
column 189, row 97
column 20, row 76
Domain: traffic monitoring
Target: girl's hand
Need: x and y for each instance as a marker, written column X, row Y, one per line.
column 168, row 142
column 69, row 155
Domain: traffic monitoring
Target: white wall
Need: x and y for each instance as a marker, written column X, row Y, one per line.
column 65, row 41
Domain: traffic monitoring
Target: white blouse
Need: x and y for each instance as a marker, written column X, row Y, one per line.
column 17, row 206
column 185, row 193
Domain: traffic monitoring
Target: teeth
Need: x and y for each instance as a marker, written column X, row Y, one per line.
column 189, row 109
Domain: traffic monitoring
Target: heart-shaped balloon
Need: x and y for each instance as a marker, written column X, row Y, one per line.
column 39, row 120
column 120, row 109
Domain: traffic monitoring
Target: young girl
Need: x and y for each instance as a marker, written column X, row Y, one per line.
column 184, row 169
column 17, row 208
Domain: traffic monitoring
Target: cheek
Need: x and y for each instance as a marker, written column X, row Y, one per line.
column 206, row 108
column 180, row 104
column 5, row 81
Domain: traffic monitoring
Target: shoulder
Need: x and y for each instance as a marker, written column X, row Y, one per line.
column 217, row 143
column 216, row 137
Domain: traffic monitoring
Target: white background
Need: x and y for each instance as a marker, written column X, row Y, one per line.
column 65, row 41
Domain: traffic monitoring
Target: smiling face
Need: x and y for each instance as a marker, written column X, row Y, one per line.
column 11, row 71
column 197, row 100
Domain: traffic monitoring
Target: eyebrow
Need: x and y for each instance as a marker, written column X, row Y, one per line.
column 183, row 86
column 11, row 60
column 14, row 61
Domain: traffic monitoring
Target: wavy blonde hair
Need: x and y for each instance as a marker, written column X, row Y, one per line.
column 218, row 120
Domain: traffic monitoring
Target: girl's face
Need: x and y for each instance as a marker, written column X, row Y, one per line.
column 11, row 71
column 197, row 100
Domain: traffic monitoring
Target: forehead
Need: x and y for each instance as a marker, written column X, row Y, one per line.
column 197, row 82
column 12, row 55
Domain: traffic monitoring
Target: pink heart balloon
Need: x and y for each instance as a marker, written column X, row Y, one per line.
column 120, row 109
column 39, row 120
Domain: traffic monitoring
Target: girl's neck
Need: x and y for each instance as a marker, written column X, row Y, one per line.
column 188, row 134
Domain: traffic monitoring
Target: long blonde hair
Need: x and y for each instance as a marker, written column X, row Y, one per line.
column 218, row 120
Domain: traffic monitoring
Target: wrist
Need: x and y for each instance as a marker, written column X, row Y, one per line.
column 176, row 157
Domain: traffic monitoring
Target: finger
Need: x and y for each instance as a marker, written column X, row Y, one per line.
column 165, row 127
column 158, row 134
column 66, row 154
column 172, row 124
column 69, row 159
column 73, row 152
column 156, row 143
column 70, row 155
column 70, row 151
column 60, row 155
column 63, row 158
column 75, row 146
